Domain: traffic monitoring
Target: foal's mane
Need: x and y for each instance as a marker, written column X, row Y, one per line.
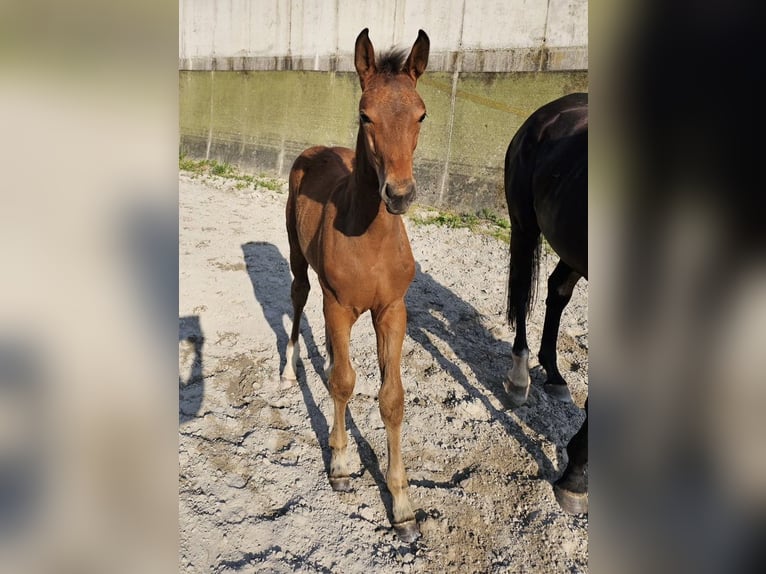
column 391, row 61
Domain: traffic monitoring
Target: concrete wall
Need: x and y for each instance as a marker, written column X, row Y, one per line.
column 257, row 86
column 318, row 35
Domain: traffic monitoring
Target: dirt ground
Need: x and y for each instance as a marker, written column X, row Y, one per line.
column 253, row 458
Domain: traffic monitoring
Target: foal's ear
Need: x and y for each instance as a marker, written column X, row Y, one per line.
column 418, row 59
column 364, row 57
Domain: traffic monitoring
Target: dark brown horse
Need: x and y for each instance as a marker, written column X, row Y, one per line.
column 546, row 187
column 344, row 219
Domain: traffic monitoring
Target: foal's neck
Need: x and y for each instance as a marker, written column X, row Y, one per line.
column 364, row 207
column 364, row 175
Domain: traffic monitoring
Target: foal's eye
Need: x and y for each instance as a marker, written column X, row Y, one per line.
column 365, row 118
column 422, row 117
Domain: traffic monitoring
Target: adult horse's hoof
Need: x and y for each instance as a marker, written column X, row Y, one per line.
column 571, row 491
column 407, row 531
column 340, row 483
column 517, row 381
column 517, row 396
column 559, row 392
column 571, row 501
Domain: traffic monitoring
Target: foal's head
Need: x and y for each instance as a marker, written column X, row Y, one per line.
column 390, row 113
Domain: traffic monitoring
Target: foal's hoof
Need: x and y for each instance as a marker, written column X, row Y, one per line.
column 407, row 531
column 286, row 384
column 288, row 377
column 340, row 483
column 559, row 392
column 517, row 396
column 571, row 501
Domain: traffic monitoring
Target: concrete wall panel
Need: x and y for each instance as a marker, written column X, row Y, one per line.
column 441, row 19
column 494, row 35
column 493, row 24
column 567, row 23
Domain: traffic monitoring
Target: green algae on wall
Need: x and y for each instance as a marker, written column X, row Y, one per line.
column 260, row 121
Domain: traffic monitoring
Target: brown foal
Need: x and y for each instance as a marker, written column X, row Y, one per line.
column 344, row 219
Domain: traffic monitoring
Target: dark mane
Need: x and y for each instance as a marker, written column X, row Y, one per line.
column 391, row 61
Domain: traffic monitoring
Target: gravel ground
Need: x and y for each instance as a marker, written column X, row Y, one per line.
column 253, row 458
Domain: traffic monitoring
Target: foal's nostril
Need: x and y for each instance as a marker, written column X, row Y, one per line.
column 389, row 191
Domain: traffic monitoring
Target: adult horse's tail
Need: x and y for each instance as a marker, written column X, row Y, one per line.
column 526, row 240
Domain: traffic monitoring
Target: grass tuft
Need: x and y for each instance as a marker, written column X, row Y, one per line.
column 484, row 221
column 228, row 171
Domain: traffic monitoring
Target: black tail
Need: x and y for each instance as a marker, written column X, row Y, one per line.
column 523, row 273
column 526, row 240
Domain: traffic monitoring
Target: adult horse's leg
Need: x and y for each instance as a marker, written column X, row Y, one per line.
column 338, row 323
column 571, row 490
column 390, row 324
column 560, row 286
column 299, row 293
column 525, row 249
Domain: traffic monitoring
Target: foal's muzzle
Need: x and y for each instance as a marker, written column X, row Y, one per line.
column 398, row 198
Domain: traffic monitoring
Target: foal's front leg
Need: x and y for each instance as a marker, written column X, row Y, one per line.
column 342, row 378
column 390, row 324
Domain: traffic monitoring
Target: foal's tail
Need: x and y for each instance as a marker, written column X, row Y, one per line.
column 526, row 240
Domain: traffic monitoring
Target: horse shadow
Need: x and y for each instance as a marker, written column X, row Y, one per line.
column 434, row 310
column 270, row 276
column 25, row 473
column 192, row 389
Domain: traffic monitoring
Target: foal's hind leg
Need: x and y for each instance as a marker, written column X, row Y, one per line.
column 560, row 286
column 299, row 293
column 390, row 324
